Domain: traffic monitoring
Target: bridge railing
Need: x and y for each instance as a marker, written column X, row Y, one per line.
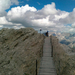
column 51, row 46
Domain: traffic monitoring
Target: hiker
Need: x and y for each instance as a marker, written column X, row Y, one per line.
column 47, row 33
column 40, row 30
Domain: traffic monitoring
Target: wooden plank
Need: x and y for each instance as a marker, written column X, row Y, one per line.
column 47, row 66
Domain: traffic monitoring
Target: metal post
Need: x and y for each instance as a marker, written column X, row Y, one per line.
column 51, row 47
column 59, row 67
column 52, row 52
column 36, row 67
column 42, row 51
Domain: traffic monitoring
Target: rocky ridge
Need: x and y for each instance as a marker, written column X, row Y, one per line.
column 19, row 50
column 64, row 58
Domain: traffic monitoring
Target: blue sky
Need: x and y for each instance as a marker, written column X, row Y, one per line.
column 64, row 5
column 51, row 15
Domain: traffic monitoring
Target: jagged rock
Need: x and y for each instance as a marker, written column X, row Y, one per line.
column 19, row 50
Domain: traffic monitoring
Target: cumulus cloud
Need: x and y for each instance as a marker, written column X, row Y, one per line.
column 61, row 15
column 4, row 23
column 43, row 22
column 19, row 11
column 5, row 4
column 21, row 15
column 73, row 25
column 49, row 9
column 48, row 18
column 70, row 19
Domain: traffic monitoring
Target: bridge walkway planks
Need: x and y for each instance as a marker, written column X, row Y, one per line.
column 47, row 65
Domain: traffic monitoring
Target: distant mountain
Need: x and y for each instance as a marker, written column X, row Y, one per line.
column 65, row 42
column 65, row 38
column 54, row 34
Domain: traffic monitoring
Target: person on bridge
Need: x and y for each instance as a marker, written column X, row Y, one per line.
column 40, row 30
column 47, row 33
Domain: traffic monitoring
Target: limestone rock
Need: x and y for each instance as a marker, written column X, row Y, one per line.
column 19, row 50
column 64, row 61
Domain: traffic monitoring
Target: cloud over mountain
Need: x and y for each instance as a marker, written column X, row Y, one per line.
column 47, row 18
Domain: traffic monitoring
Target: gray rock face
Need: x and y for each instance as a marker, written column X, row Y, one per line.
column 19, row 50
column 63, row 58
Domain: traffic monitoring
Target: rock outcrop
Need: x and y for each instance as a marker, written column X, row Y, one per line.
column 19, row 50
column 64, row 62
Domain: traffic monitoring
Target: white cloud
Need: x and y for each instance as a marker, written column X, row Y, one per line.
column 70, row 19
column 43, row 22
column 71, row 29
column 18, row 27
column 73, row 25
column 31, row 13
column 18, row 12
column 61, row 15
column 49, row 9
column 4, row 23
column 5, row 4
column 48, row 18
column 1, row 26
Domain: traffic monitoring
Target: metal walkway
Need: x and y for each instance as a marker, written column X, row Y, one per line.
column 47, row 65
